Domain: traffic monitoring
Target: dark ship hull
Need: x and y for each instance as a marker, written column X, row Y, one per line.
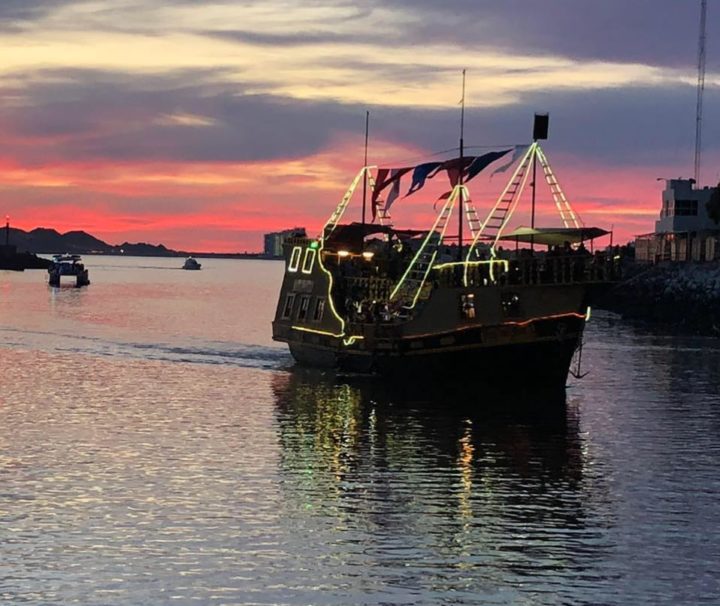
column 519, row 335
column 543, row 361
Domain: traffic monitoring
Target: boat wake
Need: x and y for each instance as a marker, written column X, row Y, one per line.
column 191, row 352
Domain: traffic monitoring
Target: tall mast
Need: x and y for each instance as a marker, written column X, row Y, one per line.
column 365, row 175
column 700, row 90
column 461, row 201
column 540, row 131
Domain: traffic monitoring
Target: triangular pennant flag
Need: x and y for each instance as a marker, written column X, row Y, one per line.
column 482, row 162
column 519, row 151
column 383, row 180
column 454, row 166
column 395, row 178
column 421, row 173
column 445, row 196
column 379, row 185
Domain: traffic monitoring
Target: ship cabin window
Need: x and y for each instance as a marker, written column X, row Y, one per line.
column 287, row 309
column 309, row 260
column 686, row 208
column 303, row 309
column 319, row 309
column 295, row 259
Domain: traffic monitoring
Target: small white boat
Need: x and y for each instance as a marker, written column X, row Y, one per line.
column 191, row 263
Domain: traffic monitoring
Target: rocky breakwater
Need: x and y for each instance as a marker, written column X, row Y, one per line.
column 681, row 296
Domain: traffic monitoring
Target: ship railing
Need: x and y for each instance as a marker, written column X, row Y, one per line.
column 298, row 241
column 366, row 300
column 369, row 289
column 564, row 269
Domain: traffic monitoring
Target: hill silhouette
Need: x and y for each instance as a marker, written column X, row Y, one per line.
column 43, row 240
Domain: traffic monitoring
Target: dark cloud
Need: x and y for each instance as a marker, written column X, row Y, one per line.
column 295, row 39
column 629, row 127
column 88, row 115
column 14, row 14
column 655, row 32
column 81, row 114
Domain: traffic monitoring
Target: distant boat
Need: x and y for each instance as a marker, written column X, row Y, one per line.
column 68, row 265
column 191, row 263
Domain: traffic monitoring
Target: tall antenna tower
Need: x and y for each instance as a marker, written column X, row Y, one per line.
column 700, row 90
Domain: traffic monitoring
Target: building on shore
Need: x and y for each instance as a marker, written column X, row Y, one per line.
column 273, row 247
column 685, row 230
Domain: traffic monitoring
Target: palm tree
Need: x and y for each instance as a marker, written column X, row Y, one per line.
column 713, row 205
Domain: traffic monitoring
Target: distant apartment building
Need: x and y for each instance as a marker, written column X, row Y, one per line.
column 685, row 231
column 274, row 241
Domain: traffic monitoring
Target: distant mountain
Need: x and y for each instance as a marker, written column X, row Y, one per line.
column 141, row 249
column 50, row 241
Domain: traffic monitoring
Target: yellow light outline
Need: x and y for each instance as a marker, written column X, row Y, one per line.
column 334, row 220
column 292, row 269
column 312, row 253
column 449, row 205
column 513, row 207
column 520, row 165
column 342, row 206
column 560, row 199
column 330, row 286
column 422, row 284
column 466, row 264
column 316, row 331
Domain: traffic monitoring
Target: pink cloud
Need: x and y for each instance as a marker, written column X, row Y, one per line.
column 227, row 206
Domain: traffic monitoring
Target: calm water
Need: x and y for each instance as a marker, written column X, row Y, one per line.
column 156, row 448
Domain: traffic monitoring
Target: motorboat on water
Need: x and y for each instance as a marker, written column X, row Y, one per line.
column 367, row 297
column 68, row 265
column 191, row 263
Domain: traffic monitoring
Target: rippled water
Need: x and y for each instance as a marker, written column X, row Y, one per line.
column 157, row 448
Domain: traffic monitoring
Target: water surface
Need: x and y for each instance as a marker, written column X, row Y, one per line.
column 156, row 447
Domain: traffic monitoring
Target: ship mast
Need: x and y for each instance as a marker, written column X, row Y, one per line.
column 365, row 173
column 700, row 91
column 461, row 201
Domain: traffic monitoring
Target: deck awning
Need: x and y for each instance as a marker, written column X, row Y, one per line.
column 554, row 236
column 353, row 234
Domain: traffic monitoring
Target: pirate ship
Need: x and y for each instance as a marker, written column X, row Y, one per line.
column 368, row 297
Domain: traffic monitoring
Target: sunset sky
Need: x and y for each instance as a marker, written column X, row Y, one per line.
column 203, row 124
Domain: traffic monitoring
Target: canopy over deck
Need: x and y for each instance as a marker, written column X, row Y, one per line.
column 554, row 236
column 353, row 234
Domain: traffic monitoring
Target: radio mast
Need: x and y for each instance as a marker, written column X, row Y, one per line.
column 700, row 90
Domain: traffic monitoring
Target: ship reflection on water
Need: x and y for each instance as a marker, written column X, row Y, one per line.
column 444, row 495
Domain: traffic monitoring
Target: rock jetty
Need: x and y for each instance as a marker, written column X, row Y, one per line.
column 681, row 296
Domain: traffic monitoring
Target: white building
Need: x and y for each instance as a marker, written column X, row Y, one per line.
column 274, row 241
column 684, row 230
